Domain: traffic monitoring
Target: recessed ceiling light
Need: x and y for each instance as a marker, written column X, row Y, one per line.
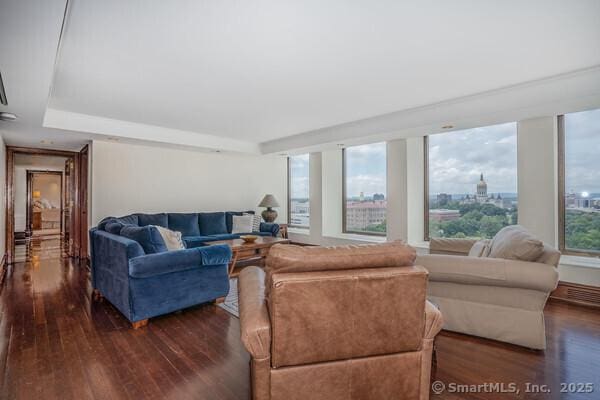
column 6, row 116
column 447, row 126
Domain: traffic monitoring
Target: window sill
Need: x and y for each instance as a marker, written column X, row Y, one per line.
column 299, row 231
column 358, row 238
column 580, row 261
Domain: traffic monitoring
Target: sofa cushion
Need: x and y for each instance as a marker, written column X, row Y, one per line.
column 516, row 243
column 147, row 236
column 242, row 223
column 130, row 219
column 229, row 218
column 153, row 219
column 197, row 241
column 172, row 238
column 115, row 226
column 212, row 223
column 187, row 224
column 225, row 236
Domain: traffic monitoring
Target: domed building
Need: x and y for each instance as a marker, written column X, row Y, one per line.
column 482, row 196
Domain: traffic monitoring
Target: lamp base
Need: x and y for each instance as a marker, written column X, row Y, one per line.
column 269, row 215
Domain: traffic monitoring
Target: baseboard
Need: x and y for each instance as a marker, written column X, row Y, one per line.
column 576, row 293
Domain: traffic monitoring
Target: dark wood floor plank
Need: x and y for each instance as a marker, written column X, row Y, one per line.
column 58, row 343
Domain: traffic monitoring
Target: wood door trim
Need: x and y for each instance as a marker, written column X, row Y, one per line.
column 10, row 195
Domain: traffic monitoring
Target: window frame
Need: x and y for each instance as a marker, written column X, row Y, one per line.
column 426, row 237
column 344, row 208
column 562, row 220
column 289, row 194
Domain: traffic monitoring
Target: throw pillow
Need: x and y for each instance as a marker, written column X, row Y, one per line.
column 256, row 220
column 481, row 248
column 147, row 236
column 516, row 243
column 242, row 223
column 172, row 238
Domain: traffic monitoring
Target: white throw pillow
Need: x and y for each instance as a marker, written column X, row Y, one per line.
column 481, row 248
column 242, row 223
column 256, row 222
column 172, row 238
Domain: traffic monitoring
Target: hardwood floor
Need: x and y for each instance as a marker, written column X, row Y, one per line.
column 56, row 343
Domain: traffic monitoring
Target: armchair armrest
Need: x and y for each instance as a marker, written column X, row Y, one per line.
column 255, row 323
column 270, row 227
column 433, row 321
column 487, row 271
column 180, row 260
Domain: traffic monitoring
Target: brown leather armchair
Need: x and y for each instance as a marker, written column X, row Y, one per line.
column 350, row 322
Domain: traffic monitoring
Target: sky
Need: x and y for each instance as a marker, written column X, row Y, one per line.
column 456, row 160
column 366, row 169
column 299, row 176
column 582, row 152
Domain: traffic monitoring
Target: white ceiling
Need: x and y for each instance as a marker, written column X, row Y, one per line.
column 254, row 75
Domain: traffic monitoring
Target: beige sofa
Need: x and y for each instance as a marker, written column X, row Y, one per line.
column 495, row 298
column 346, row 323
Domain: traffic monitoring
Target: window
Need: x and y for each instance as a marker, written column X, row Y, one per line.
column 471, row 181
column 298, row 196
column 364, row 200
column 579, row 218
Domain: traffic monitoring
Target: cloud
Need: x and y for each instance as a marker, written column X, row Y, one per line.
column 366, row 169
column 456, row 160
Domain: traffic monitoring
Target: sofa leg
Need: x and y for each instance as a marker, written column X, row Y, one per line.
column 219, row 300
column 139, row 324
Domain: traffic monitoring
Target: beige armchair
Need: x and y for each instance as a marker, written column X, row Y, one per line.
column 495, row 298
column 338, row 323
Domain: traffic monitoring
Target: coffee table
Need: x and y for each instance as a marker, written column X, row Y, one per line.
column 242, row 251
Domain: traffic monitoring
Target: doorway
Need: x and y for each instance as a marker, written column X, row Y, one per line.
column 46, row 199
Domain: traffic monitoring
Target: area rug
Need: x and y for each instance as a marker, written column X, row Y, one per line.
column 231, row 301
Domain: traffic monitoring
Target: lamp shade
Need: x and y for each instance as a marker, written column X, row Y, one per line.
column 269, row 201
column 37, row 194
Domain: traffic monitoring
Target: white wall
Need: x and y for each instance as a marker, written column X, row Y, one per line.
column 129, row 178
column 537, row 184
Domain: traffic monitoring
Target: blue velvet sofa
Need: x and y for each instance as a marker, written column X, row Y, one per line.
column 136, row 273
